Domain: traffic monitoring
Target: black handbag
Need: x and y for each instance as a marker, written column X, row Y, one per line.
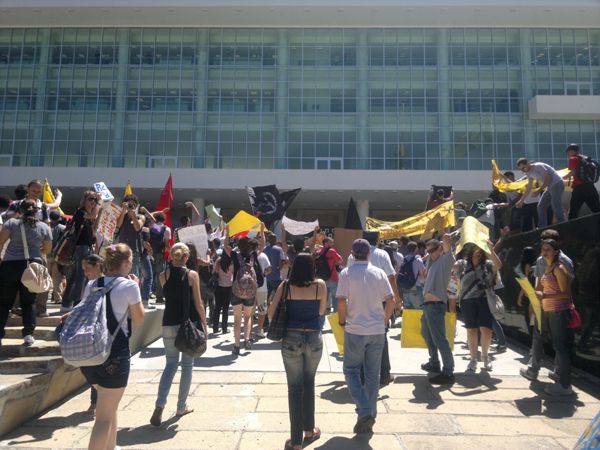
column 277, row 325
column 189, row 340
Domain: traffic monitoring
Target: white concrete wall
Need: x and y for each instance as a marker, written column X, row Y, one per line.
column 574, row 107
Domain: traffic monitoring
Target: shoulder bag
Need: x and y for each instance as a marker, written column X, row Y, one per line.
column 189, row 340
column 277, row 326
column 36, row 277
column 494, row 303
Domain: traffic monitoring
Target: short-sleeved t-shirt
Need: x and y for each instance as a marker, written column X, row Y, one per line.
column 541, row 264
column 275, row 255
column 125, row 293
column 574, row 163
column 438, row 276
column 332, row 257
column 35, row 235
column 539, row 169
column 264, row 264
column 379, row 258
column 366, row 287
column 474, row 281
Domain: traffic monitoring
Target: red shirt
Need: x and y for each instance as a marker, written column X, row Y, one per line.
column 332, row 257
column 574, row 163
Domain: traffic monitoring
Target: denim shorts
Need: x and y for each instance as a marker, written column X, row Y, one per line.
column 248, row 302
column 112, row 374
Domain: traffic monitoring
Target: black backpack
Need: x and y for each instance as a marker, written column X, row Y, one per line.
column 406, row 276
column 588, row 170
column 322, row 269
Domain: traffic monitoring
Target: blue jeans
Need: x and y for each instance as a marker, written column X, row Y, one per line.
column 413, row 298
column 551, row 197
column 365, row 352
column 433, row 329
column 76, row 278
column 166, row 379
column 146, row 275
column 301, row 352
column 499, row 333
column 331, row 290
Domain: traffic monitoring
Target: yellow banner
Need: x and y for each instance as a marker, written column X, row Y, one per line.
column 534, row 301
column 128, row 190
column 516, row 186
column 436, row 219
column 338, row 331
column 48, row 196
column 243, row 222
column 411, row 329
column 474, row 232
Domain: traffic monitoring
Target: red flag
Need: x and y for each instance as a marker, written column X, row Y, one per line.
column 166, row 201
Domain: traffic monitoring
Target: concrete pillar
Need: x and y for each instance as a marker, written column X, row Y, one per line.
column 281, row 101
column 362, row 101
column 362, row 206
column 526, row 95
column 444, row 99
column 40, row 97
column 201, row 99
column 118, row 158
column 199, row 204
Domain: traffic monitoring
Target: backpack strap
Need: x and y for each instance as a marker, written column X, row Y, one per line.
column 24, row 239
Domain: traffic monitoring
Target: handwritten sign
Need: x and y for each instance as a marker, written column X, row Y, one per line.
column 108, row 220
column 195, row 235
column 101, row 188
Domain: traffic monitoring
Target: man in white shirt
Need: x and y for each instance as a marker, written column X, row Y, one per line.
column 362, row 291
column 552, row 184
column 262, row 293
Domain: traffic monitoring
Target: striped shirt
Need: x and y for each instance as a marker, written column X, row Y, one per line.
column 553, row 299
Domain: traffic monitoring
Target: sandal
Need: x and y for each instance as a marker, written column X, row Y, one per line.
column 184, row 412
column 316, row 434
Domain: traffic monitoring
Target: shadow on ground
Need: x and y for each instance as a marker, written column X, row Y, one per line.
column 358, row 442
column 43, row 428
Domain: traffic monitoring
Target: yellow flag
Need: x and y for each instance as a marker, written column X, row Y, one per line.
column 533, row 300
column 128, row 190
column 48, row 196
column 243, row 222
column 411, row 329
column 435, row 219
column 516, row 186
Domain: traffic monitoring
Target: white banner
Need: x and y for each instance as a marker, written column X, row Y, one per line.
column 195, row 235
column 108, row 220
column 299, row 228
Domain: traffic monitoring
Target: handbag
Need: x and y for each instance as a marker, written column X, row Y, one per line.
column 277, row 326
column 189, row 340
column 575, row 320
column 35, row 277
column 64, row 250
column 495, row 304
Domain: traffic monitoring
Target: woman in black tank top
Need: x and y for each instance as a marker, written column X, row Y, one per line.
column 181, row 288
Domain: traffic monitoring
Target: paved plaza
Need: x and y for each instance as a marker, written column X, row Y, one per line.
column 241, row 404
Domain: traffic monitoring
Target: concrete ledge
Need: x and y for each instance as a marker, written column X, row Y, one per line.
column 25, row 395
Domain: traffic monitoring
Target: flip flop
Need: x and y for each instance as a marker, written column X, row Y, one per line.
column 185, row 412
column 315, row 436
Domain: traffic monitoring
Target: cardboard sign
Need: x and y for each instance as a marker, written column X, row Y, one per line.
column 195, row 235
column 101, row 188
column 411, row 329
column 108, row 220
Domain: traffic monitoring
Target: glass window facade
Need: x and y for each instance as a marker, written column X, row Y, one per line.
column 256, row 98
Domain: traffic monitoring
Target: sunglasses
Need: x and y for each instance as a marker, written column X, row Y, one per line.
column 433, row 250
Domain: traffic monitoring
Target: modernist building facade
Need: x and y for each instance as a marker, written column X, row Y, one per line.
column 389, row 97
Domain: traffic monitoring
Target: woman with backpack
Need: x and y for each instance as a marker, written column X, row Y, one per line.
column 38, row 241
column 302, row 345
column 181, row 288
column 110, row 378
column 477, row 274
column 246, row 269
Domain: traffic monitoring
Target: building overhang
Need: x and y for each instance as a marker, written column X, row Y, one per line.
column 565, row 107
column 300, row 13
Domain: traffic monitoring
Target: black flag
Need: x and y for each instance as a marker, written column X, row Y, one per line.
column 352, row 218
column 285, row 200
column 268, row 204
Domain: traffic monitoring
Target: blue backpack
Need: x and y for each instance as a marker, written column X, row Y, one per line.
column 84, row 338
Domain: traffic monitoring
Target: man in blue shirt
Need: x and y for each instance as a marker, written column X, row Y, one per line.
column 277, row 259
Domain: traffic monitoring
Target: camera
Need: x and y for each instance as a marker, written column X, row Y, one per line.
column 131, row 205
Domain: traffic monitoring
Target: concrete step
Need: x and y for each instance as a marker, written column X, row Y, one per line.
column 41, row 333
column 51, row 321
column 30, row 364
column 14, row 348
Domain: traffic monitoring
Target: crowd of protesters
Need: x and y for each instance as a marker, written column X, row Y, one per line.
column 255, row 275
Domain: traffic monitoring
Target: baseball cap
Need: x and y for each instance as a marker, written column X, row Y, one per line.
column 361, row 247
column 394, row 245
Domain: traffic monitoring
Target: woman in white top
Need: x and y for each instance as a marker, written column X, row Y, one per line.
column 110, row 378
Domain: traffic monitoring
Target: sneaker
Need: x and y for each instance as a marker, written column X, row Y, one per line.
column 554, row 376
column 442, row 379
column 247, row 344
column 236, row 350
column 156, row 418
column 43, row 314
column 225, row 331
column 364, row 425
column 28, row 340
column 472, row 366
column 428, row 367
column 528, row 373
column 215, row 330
column 487, row 364
column 65, row 309
column 260, row 334
column 500, row 348
column 148, row 305
column 160, row 301
column 558, row 389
